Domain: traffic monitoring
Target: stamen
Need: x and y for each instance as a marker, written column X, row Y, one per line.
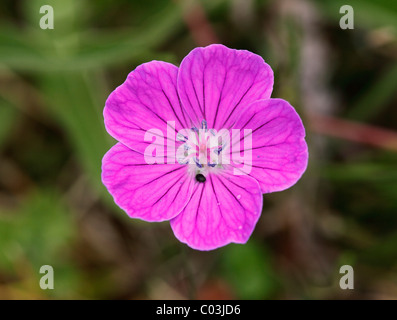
column 204, row 125
column 218, row 150
column 181, row 137
column 197, row 146
column 198, row 164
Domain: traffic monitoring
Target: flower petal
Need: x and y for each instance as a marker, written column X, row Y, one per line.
column 279, row 150
column 223, row 209
column 155, row 192
column 215, row 83
column 146, row 100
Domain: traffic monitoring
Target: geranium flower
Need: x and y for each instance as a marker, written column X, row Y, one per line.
column 161, row 109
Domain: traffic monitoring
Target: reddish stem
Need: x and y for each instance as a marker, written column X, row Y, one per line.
column 353, row 131
column 198, row 25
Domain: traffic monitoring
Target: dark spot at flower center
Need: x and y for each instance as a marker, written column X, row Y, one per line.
column 200, row 178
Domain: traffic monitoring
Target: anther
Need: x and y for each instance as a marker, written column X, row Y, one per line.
column 204, row 125
column 181, row 137
column 198, row 164
column 218, row 150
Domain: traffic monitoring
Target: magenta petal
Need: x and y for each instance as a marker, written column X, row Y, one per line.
column 222, row 210
column 155, row 192
column 216, row 83
column 148, row 99
column 279, row 150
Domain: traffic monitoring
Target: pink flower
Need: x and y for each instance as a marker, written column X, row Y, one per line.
column 209, row 204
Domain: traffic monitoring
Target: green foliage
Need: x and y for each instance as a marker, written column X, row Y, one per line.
column 8, row 115
column 38, row 233
column 367, row 13
column 249, row 269
column 372, row 102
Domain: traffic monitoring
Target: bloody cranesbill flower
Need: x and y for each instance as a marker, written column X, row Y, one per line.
column 209, row 203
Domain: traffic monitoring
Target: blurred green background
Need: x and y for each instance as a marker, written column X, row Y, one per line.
column 55, row 211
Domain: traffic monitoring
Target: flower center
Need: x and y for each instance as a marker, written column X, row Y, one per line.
column 201, row 150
